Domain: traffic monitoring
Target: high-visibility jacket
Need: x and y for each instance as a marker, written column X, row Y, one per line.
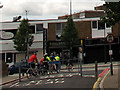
column 52, row 58
column 57, row 58
column 46, row 59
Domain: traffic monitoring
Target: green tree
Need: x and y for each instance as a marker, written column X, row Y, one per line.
column 70, row 34
column 23, row 37
column 112, row 13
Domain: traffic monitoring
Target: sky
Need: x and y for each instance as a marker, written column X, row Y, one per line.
column 43, row 9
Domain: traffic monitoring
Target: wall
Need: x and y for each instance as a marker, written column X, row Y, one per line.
column 51, row 31
column 116, row 29
column 84, row 29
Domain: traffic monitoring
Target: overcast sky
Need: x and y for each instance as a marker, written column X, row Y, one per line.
column 43, row 9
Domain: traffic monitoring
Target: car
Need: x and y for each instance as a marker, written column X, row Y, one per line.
column 15, row 67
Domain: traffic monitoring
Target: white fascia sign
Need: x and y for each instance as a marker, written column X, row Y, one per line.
column 6, row 35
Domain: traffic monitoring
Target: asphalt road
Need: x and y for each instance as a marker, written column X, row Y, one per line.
column 64, row 79
column 61, row 80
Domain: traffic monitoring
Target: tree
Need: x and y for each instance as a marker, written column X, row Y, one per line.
column 112, row 13
column 70, row 34
column 23, row 37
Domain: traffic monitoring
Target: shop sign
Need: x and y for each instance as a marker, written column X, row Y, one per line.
column 6, row 35
column 56, row 44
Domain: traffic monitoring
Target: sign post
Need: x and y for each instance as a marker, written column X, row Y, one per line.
column 110, row 39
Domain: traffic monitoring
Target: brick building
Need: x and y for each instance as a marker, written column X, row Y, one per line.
column 47, row 32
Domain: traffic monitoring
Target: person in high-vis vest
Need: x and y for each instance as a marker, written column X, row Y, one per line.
column 46, row 61
column 57, row 59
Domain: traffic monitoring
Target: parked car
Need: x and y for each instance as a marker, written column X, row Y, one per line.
column 15, row 67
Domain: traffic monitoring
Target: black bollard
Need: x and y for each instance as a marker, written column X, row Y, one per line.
column 96, row 69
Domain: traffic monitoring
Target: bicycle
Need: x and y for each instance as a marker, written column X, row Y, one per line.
column 43, row 69
column 32, row 72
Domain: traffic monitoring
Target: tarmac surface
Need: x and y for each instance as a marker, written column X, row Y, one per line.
column 108, row 81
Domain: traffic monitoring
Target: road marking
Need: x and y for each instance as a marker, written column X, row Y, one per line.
column 14, row 84
column 39, row 82
column 101, row 83
column 48, row 79
column 56, row 79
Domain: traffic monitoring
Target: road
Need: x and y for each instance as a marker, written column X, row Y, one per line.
column 64, row 79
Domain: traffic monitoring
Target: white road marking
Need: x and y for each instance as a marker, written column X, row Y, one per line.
column 39, row 82
column 14, row 84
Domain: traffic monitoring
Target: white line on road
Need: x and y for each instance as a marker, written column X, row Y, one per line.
column 14, row 84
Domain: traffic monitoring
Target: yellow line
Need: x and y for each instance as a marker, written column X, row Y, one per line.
column 96, row 83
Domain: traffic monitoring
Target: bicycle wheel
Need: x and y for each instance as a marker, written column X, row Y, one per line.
column 29, row 73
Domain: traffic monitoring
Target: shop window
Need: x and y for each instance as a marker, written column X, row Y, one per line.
column 39, row 27
column 94, row 24
column 9, row 58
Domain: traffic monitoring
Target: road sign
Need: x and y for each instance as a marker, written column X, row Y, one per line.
column 110, row 38
column 110, row 52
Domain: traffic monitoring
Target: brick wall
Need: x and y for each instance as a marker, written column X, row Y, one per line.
column 84, row 29
column 51, row 32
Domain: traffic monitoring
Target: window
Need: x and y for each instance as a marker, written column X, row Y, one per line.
column 39, row 27
column 82, row 15
column 60, row 27
column 101, row 25
column 32, row 28
column 94, row 24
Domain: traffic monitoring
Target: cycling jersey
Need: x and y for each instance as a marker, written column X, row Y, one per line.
column 33, row 58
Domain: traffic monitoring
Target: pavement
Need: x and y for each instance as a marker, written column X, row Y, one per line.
column 111, row 81
column 107, row 80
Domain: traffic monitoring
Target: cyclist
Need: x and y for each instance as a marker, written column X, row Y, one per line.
column 52, row 57
column 57, row 59
column 46, row 61
column 33, row 60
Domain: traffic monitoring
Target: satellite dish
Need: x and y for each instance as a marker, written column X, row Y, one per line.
column 16, row 18
column 19, row 17
column 1, row 6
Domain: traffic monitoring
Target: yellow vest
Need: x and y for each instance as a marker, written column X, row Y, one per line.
column 57, row 58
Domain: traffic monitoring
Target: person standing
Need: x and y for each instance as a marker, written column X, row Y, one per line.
column 80, row 58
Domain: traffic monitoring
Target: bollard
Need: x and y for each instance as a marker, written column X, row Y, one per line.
column 20, row 73
column 96, row 69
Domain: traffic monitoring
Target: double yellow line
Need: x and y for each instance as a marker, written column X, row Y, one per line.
column 95, row 87
column 96, row 83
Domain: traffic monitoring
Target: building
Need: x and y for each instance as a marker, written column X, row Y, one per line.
column 47, row 37
column 8, row 31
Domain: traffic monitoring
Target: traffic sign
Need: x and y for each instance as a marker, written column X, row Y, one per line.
column 110, row 52
column 110, row 38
